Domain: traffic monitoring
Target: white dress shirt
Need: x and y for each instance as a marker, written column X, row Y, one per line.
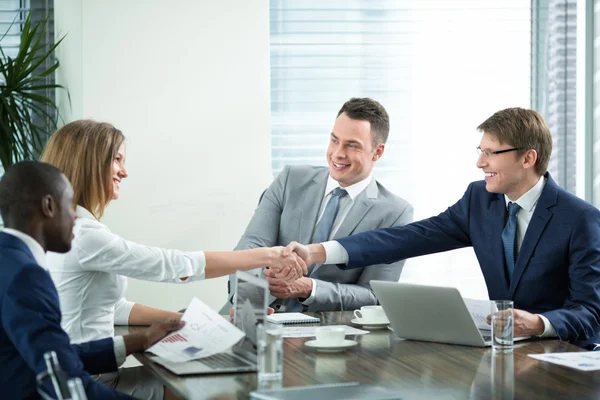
column 335, row 253
column 92, row 278
column 346, row 203
column 40, row 257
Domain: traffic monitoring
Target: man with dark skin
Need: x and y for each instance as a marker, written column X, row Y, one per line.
column 36, row 204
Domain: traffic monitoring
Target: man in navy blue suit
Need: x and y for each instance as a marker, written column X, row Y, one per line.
column 536, row 244
column 36, row 204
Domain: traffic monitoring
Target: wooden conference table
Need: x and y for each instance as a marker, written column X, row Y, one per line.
column 417, row 370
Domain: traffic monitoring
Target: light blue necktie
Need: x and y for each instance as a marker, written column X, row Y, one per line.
column 325, row 224
column 322, row 233
column 509, row 238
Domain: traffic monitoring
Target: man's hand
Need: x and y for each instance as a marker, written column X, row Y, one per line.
column 289, row 267
column 525, row 323
column 286, row 290
column 159, row 330
column 269, row 312
column 141, row 341
column 300, row 249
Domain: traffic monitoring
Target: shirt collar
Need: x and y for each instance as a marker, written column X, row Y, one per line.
column 84, row 213
column 529, row 200
column 353, row 190
column 36, row 249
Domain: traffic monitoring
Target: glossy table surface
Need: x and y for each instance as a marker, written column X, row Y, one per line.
column 417, row 370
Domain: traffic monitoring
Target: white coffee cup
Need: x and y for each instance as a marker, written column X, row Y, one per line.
column 371, row 314
column 331, row 335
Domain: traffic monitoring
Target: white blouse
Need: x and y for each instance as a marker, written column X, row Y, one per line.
column 91, row 279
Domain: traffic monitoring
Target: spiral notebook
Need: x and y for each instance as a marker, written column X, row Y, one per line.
column 293, row 318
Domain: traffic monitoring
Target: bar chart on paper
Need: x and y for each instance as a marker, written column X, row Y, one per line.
column 174, row 338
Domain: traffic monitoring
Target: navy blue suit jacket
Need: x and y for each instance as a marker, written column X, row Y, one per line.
column 30, row 326
column 557, row 272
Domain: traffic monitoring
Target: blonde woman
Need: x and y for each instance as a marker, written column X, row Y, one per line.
column 92, row 278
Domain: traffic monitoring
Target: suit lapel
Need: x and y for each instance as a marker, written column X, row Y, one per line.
column 497, row 218
column 540, row 218
column 357, row 212
column 313, row 196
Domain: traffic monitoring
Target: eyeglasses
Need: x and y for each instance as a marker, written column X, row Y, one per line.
column 488, row 153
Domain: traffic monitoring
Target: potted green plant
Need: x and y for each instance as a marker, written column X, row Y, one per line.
column 27, row 114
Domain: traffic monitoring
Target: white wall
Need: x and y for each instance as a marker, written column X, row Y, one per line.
column 188, row 84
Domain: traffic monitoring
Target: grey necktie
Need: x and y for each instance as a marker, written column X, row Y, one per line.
column 322, row 233
column 325, row 224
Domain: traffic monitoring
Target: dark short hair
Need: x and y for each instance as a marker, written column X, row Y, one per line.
column 523, row 129
column 24, row 185
column 366, row 109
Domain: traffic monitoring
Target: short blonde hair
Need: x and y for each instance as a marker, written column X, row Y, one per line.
column 84, row 150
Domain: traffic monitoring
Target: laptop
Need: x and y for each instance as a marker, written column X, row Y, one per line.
column 430, row 313
column 250, row 308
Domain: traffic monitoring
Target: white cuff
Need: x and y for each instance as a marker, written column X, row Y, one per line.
column 311, row 298
column 335, row 253
column 549, row 330
column 119, row 348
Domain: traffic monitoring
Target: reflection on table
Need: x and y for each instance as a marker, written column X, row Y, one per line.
column 418, row 370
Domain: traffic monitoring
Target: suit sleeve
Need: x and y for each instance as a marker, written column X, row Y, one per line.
column 447, row 231
column 349, row 296
column 263, row 229
column 31, row 318
column 579, row 318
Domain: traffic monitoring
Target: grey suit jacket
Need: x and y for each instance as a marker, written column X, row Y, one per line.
column 288, row 211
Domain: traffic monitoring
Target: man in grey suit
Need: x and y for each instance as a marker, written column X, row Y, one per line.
column 306, row 203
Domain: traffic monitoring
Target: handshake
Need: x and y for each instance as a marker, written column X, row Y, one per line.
column 289, row 263
column 288, row 267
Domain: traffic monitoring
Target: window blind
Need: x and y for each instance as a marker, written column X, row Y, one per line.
column 439, row 67
column 11, row 12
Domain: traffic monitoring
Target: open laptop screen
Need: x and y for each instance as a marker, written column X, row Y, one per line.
column 250, row 305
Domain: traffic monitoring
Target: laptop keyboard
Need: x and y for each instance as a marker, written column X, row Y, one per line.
column 223, row 360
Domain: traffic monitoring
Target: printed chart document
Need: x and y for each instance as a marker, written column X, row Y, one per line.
column 582, row 360
column 204, row 334
column 479, row 310
column 311, row 331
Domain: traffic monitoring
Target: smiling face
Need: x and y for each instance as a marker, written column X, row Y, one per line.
column 350, row 155
column 118, row 171
column 508, row 173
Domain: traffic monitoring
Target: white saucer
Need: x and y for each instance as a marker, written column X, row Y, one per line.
column 327, row 348
column 370, row 325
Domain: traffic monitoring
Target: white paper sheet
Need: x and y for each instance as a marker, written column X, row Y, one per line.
column 479, row 310
column 311, row 331
column 583, row 360
column 204, row 334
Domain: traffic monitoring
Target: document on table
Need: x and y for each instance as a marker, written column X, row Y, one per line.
column 311, row 331
column 204, row 334
column 479, row 310
column 582, row 360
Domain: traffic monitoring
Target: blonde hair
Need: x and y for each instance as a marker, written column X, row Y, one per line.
column 84, row 150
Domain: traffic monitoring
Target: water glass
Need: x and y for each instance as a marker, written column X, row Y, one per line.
column 502, row 326
column 270, row 351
